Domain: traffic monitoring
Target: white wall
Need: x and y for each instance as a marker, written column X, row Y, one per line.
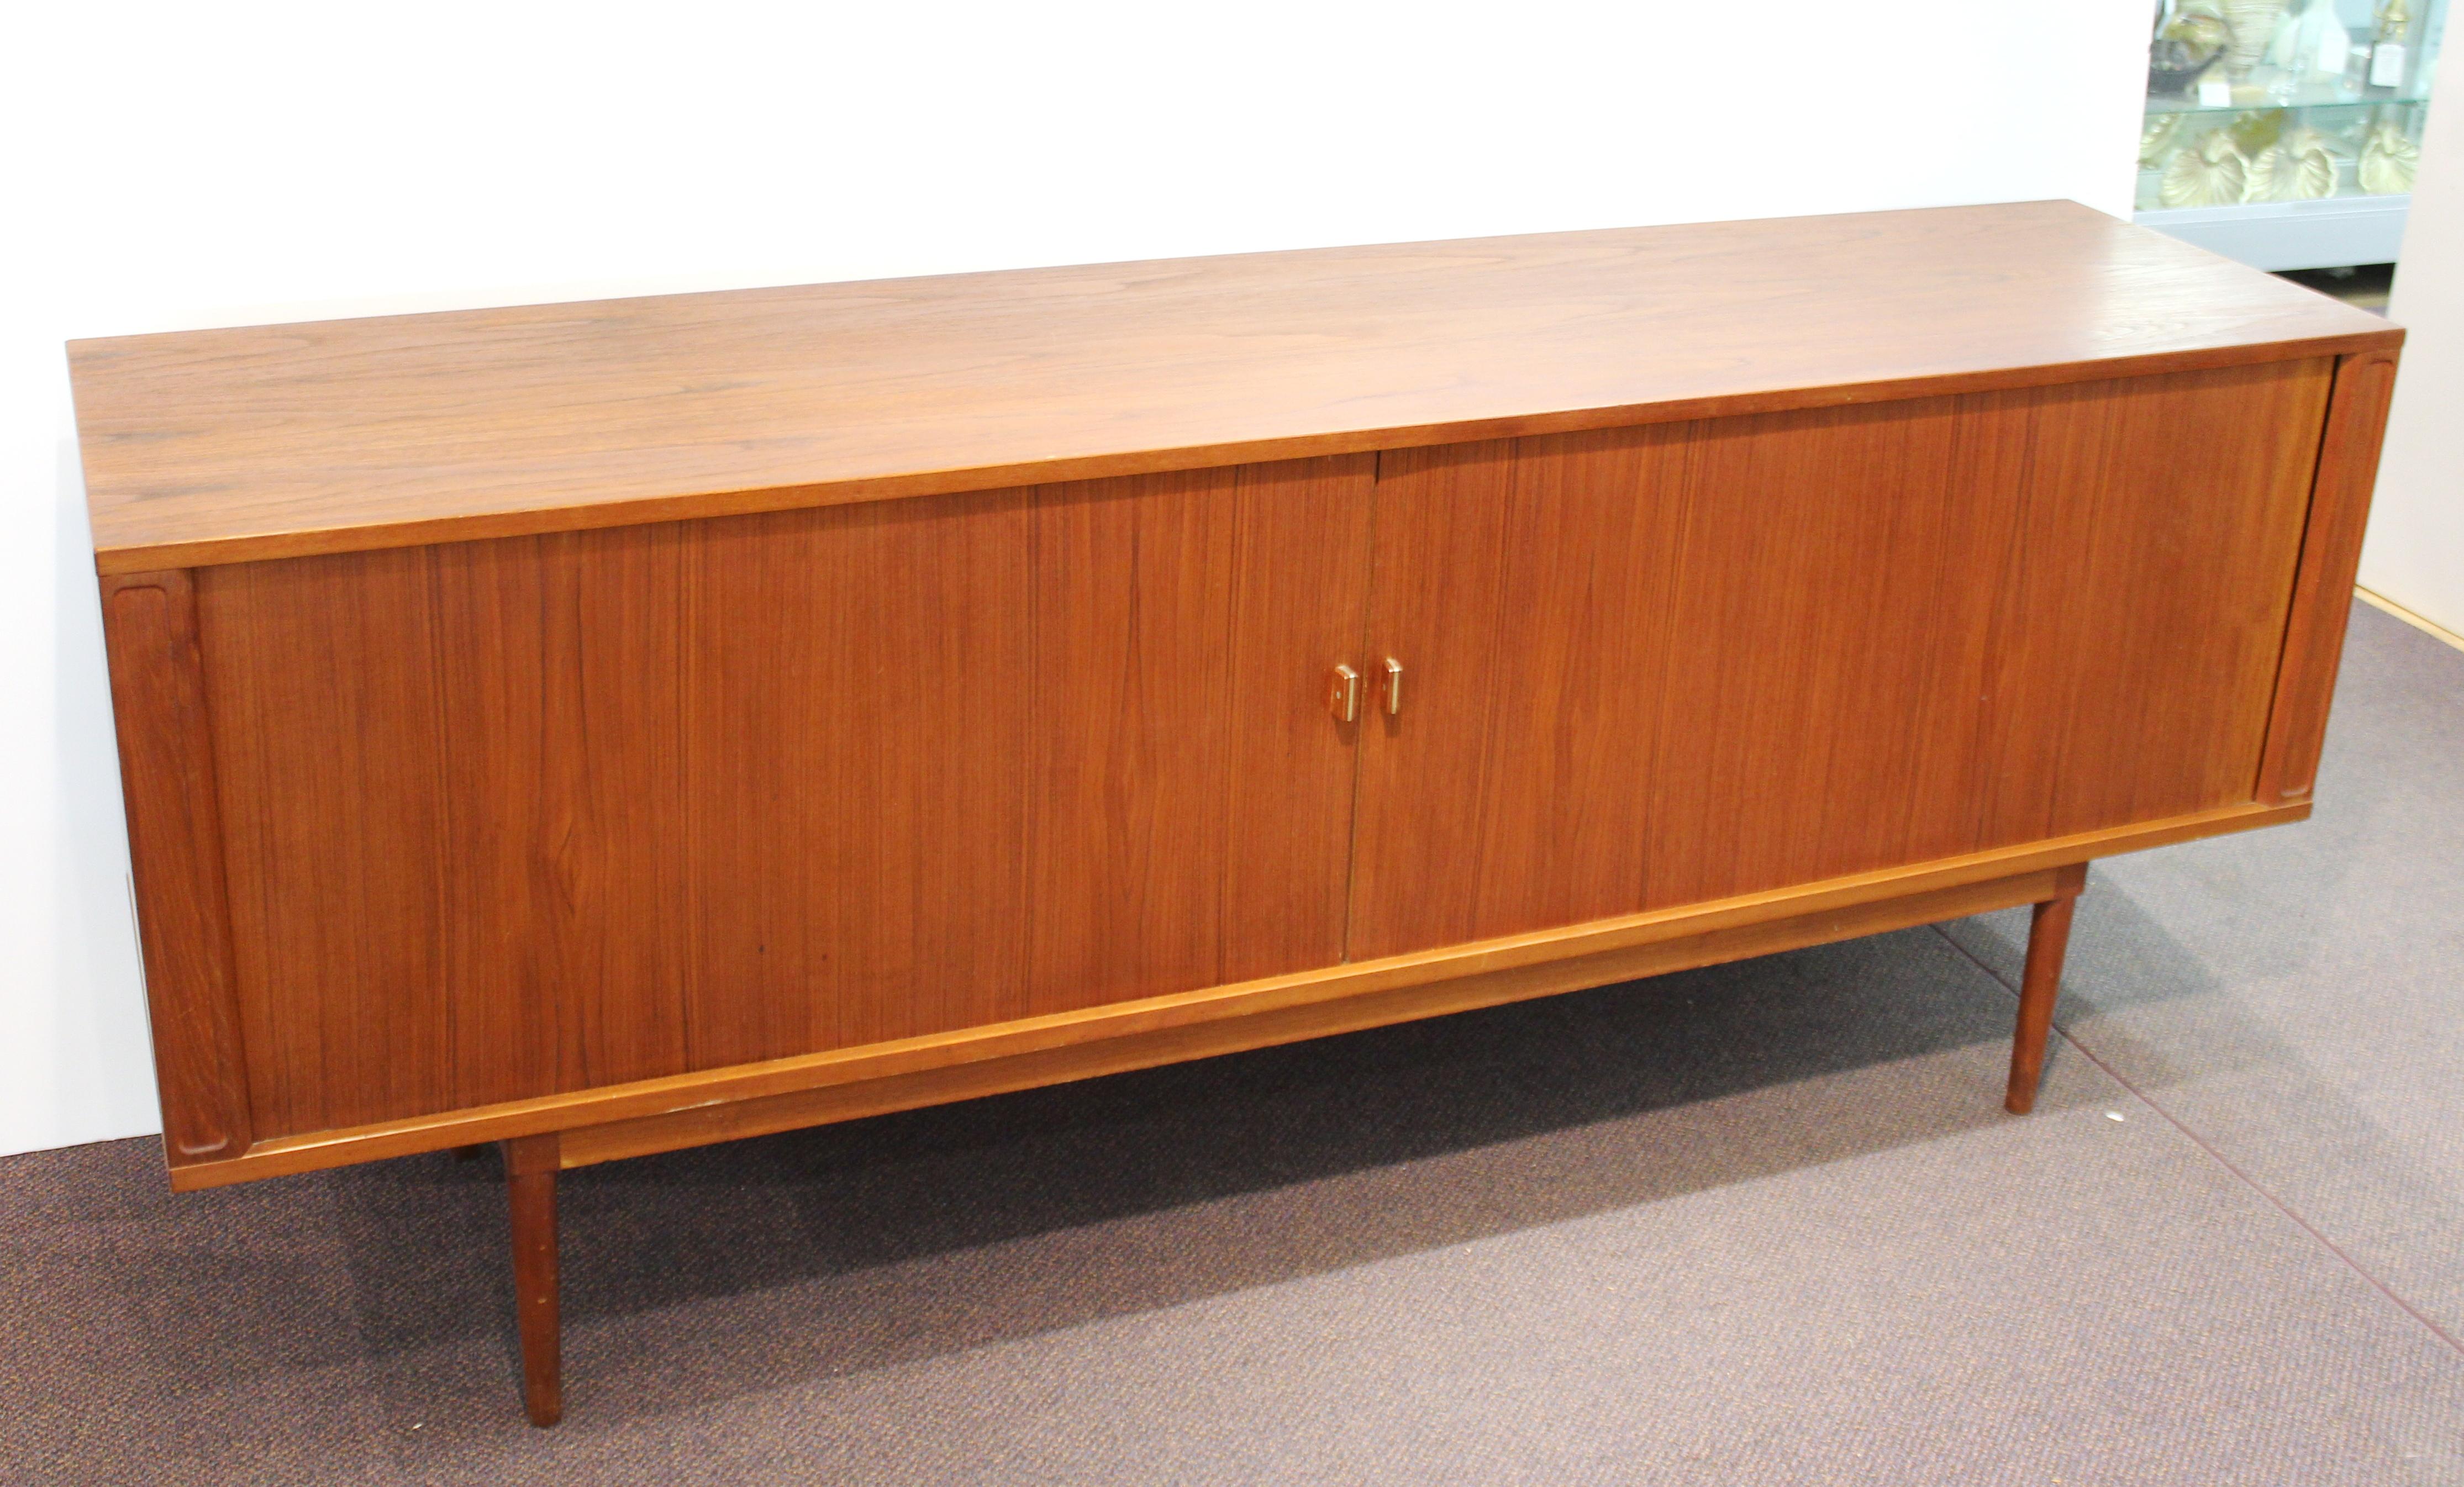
column 2414, row 554
column 199, row 165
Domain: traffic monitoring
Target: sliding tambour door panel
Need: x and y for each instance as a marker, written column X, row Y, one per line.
column 334, row 821
column 1687, row 662
column 1300, row 600
column 859, row 690
column 450, row 788
column 1190, row 791
column 543, row 814
column 1834, row 584
column 2150, row 592
column 966, row 759
column 1523, row 589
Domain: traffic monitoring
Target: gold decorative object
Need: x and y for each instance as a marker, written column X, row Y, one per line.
column 2185, row 48
column 2299, row 167
column 2210, row 173
column 2257, row 130
column 2200, row 28
column 2389, row 161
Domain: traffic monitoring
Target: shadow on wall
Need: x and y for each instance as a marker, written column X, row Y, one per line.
column 94, row 1075
column 905, row 1236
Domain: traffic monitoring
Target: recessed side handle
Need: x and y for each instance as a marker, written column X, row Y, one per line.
column 1394, row 686
column 1343, row 695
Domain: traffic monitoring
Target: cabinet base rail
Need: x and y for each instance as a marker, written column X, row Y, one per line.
column 532, row 1162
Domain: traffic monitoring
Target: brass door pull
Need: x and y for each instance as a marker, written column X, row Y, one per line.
column 1394, row 686
column 1343, row 698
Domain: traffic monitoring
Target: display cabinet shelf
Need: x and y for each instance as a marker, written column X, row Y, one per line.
column 2294, row 145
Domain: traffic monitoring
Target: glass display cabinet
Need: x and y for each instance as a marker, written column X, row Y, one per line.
column 2284, row 133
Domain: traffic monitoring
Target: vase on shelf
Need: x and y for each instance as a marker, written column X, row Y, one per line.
column 2251, row 25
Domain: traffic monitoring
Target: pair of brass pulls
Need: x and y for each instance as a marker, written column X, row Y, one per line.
column 1343, row 698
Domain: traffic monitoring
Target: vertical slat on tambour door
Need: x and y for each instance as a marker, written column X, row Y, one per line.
column 328, row 734
column 1437, row 605
column 856, row 712
column 564, row 878
column 1524, row 587
column 617, row 602
column 1132, row 743
column 1805, row 615
column 1300, row 600
column 1959, row 597
column 1896, row 631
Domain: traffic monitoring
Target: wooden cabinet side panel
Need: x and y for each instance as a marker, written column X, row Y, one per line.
column 175, row 848
column 2331, row 552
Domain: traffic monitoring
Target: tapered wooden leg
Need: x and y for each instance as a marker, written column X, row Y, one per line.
column 530, row 1180
column 2049, row 934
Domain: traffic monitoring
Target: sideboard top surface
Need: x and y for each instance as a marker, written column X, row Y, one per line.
column 227, row 446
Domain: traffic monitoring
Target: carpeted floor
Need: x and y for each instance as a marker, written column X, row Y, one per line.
column 1764, row 1223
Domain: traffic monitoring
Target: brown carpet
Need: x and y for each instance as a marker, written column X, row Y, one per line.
column 1764, row 1223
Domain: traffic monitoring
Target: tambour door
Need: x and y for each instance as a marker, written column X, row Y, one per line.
column 543, row 814
column 1672, row 664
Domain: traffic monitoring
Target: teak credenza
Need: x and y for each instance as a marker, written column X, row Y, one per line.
column 609, row 727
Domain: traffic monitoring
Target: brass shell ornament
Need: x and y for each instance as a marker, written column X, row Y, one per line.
column 2210, row 173
column 2389, row 162
column 2299, row 167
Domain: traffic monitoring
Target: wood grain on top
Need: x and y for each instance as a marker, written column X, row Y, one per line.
column 224, row 446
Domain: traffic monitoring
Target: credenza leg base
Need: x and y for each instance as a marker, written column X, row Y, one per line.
column 530, row 1183
column 2048, row 935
